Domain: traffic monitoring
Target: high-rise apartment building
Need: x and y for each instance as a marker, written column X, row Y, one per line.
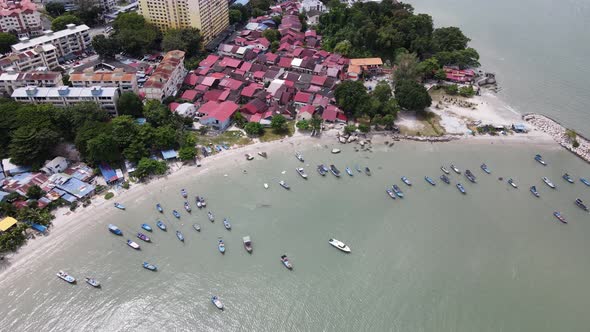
column 209, row 16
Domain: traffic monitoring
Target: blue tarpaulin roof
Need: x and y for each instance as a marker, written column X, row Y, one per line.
column 241, row 2
column 108, row 173
column 76, row 187
column 169, row 154
column 69, row 198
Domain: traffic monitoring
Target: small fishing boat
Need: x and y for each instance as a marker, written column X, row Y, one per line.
column 446, row 171
column 224, row 146
column 133, row 245
column 445, row 179
column 321, row 170
column 119, row 206
column 210, row 216
column 183, row 193
column 115, row 230
column 390, row 193
column 535, row 192
column 568, row 178
column 548, row 182
column 334, row 170
column 339, row 245
column 198, row 202
column 226, row 224
column 335, row 151
column 66, row 277
column 218, row 148
column 540, row 160
column 221, row 246
column 559, row 217
column 585, row 181
column 159, row 208
column 485, row 168
column 197, row 227
column 176, row 214
column 430, row 180
column 461, row 189
column 215, row 300
column 455, row 169
column 299, row 156
column 581, row 204
column 198, row 162
column 358, row 169
column 180, row 236
column 262, row 154
column 149, row 266
column 349, row 171
column 367, row 171
column 512, row 183
column 301, row 172
column 187, row 207
column 286, row 262
column 265, row 186
column 284, row 184
column 146, row 227
column 249, row 156
column 143, row 237
column 92, row 282
column 397, row 191
column 470, row 176
column 202, row 200
column 406, row 181
column 161, row 225
column 247, row 244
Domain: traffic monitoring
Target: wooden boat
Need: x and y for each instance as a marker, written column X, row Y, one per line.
column 322, row 170
column 183, row 193
column 358, row 169
column 585, row 181
column 540, row 160
column 348, row 171
column 247, row 244
column 485, row 168
column 149, row 266
column 66, row 277
column 581, row 204
column 406, row 181
column 397, row 191
column 445, row 179
column 470, row 176
column 461, row 189
column 180, row 236
column 535, row 192
column 548, row 182
column 335, row 171
column 299, row 156
column 143, row 237
column 115, row 230
column 512, row 183
column 215, row 300
column 249, row 156
column 446, row 171
column 146, row 227
column 455, row 169
column 262, row 154
column 367, row 171
column 187, row 207
column 286, row 262
column 301, row 172
column 197, row 227
column 92, row 282
column 559, row 217
column 161, row 225
column 430, row 180
column 119, row 206
column 176, row 214
column 339, row 245
column 159, row 208
column 226, row 224
column 224, row 146
column 210, row 216
column 221, row 246
column 568, row 178
column 335, row 151
column 133, row 245
column 201, row 199
column 390, row 193
column 284, row 184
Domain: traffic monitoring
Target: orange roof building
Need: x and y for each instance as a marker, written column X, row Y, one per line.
column 117, row 78
column 358, row 66
column 167, row 78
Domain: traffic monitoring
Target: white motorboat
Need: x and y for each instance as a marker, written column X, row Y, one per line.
column 92, row 282
column 266, row 186
column 215, row 300
column 66, row 277
column 133, row 244
column 301, row 172
column 335, row 151
column 339, row 245
column 548, row 182
column 249, row 156
column 299, row 156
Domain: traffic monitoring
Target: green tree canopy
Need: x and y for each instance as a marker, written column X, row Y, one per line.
column 428, row 67
column 350, row 96
column 382, row 91
column 406, row 67
column 146, row 167
column 107, row 48
column 463, row 58
column 55, row 9
column 124, row 130
column 129, row 104
column 271, row 35
column 134, row 35
column 35, row 192
column 7, row 40
column 32, row 145
column 165, row 138
column 60, row 22
column 185, row 39
column 278, row 123
column 102, row 148
column 412, row 95
column 449, row 39
column 254, row 129
column 187, row 153
column 303, row 125
column 235, row 16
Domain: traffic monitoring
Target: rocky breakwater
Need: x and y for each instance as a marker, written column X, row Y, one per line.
column 577, row 144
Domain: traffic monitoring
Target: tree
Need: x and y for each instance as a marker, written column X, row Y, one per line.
column 349, row 129
column 55, row 9
column 261, row 4
column 278, row 123
column 102, row 148
column 254, row 129
column 449, row 39
column 7, row 40
column 35, row 192
column 407, row 67
column 165, row 137
column 462, row 58
column 344, row 47
column 382, row 91
column 364, row 128
column 32, row 145
column 467, row 91
column 440, row 75
column 271, row 35
column 134, row 34
column 60, row 22
column 130, row 104
column 136, row 150
column 89, row 12
column 239, row 119
column 412, row 95
column 146, row 167
column 235, row 16
column 391, row 107
column 274, row 46
column 187, row 153
column 124, row 130
column 88, row 131
column 107, row 48
column 428, row 67
column 185, row 39
column 303, row 125
column 316, row 122
column 350, row 95
column 388, row 121
column 452, row 89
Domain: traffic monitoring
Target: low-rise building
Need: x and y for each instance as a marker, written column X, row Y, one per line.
column 68, row 42
column 167, row 78
column 364, row 65
column 125, row 81
column 10, row 81
column 42, row 56
column 105, row 97
column 56, row 165
column 20, row 17
column 217, row 115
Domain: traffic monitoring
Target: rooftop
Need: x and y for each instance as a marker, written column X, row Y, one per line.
column 49, row 36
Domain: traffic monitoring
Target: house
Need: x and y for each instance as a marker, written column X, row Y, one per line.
column 218, row 115
column 186, row 110
column 364, row 65
column 190, row 95
column 7, row 223
column 57, row 165
column 77, row 188
column 306, row 112
column 167, row 78
column 255, row 106
column 333, row 114
column 11, row 169
column 302, row 98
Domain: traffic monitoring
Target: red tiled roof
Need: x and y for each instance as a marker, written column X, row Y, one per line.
column 173, row 106
column 202, row 88
column 220, row 111
column 302, row 97
column 246, row 66
column 285, row 62
column 189, row 95
column 330, row 113
column 231, row 83
column 191, row 79
column 259, row 75
column 318, row 80
column 218, row 75
column 250, row 90
column 223, row 96
column 209, row 61
column 208, row 81
column 271, row 57
column 212, row 95
column 307, row 109
column 230, row 62
column 341, row 116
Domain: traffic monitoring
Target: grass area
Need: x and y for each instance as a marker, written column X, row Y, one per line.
column 431, row 126
column 229, row 137
column 269, row 135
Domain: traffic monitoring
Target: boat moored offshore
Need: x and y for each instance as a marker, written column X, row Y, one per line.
column 568, row 178
column 115, row 230
column 299, row 156
column 535, row 192
column 444, row 170
column 430, row 180
column 335, row 170
column 159, row 208
column 470, row 176
column 548, row 182
column 247, row 244
column 461, row 189
column 149, row 266
column 540, row 160
column 92, row 282
column 397, row 191
column 485, row 168
column 146, row 227
column 339, row 245
column 581, row 204
column 66, row 277
column 284, row 184
column 161, row 225
column 180, row 236
column 559, row 217
column 512, row 183
column 301, row 172
column 133, row 245
column 455, row 169
column 226, row 224
column 119, row 206
column 406, row 181
column 445, row 179
column 286, row 262
column 215, row 300
column 322, row 170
